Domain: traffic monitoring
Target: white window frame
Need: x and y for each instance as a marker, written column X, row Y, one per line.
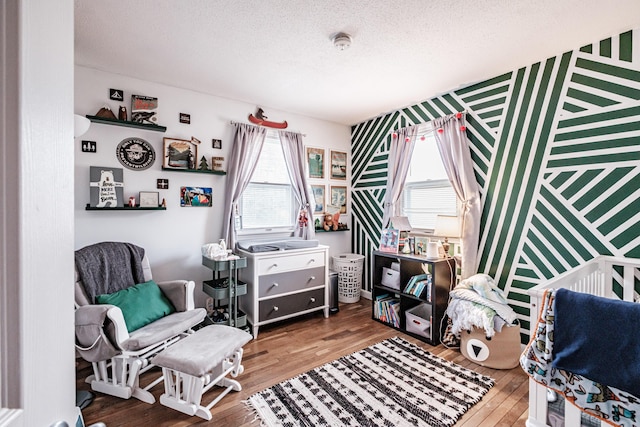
column 269, row 230
column 433, row 183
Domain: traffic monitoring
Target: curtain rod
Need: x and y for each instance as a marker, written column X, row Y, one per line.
column 249, row 124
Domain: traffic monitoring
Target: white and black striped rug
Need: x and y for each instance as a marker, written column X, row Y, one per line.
column 392, row 383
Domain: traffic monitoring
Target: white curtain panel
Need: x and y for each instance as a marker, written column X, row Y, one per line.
column 294, row 157
column 247, row 145
column 453, row 144
column 400, row 152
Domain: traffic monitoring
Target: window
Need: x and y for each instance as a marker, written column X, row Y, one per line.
column 427, row 191
column 268, row 201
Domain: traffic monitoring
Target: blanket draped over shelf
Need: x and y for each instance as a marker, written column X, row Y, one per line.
column 108, row 267
column 599, row 399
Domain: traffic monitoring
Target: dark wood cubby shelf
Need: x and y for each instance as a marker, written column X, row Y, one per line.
column 126, row 123
column 210, row 172
column 322, row 230
column 125, row 208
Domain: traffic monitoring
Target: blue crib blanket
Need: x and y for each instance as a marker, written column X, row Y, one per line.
column 596, row 337
column 600, row 399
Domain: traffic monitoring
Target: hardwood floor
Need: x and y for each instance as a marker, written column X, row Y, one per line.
column 289, row 348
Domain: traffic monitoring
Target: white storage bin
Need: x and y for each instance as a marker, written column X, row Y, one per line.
column 419, row 320
column 391, row 278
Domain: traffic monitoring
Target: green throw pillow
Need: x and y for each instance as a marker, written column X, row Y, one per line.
column 140, row 304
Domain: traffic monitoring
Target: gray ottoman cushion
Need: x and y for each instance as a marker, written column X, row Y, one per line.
column 202, row 351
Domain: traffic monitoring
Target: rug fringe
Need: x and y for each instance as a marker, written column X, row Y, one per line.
column 256, row 414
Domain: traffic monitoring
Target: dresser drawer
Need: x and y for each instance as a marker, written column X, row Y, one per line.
column 292, row 262
column 291, row 281
column 290, row 304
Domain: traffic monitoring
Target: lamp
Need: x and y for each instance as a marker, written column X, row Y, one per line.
column 80, row 125
column 447, row 226
column 341, row 41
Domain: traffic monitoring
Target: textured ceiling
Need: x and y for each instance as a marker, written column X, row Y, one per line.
column 277, row 54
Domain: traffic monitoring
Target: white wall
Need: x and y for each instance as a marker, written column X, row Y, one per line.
column 173, row 237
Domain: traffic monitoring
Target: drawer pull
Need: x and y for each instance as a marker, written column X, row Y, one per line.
column 274, row 285
column 312, row 299
column 312, row 278
column 275, row 308
column 274, row 265
column 312, row 260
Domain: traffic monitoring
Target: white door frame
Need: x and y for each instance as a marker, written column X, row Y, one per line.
column 37, row 358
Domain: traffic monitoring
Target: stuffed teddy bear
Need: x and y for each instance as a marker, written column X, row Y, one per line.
column 329, row 223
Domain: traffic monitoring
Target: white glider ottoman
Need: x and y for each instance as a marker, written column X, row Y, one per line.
column 198, row 362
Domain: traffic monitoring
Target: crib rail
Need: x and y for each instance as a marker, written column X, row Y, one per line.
column 599, row 276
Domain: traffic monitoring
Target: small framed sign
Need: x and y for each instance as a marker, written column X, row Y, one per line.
column 162, row 184
column 185, row 118
column 116, row 94
column 149, row 199
column 89, row 147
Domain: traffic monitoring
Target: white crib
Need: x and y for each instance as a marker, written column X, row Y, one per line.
column 598, row 276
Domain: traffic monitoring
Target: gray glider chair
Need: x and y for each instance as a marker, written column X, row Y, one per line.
column 123, row 318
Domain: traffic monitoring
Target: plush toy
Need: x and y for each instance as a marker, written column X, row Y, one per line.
column 302, row 218
column 329, row 223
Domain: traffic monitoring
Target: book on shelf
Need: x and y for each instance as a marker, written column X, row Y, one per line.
column 417, row 284
column 387, row 309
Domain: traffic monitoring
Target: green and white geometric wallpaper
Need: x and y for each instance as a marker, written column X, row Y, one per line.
column 556, row 151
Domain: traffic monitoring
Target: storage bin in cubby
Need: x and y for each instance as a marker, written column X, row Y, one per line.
column 391, row 278
column 419, row 320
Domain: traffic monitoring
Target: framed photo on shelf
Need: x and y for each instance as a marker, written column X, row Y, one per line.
column 389, row 240
column 179, row 153
column 339, row 197
column 149, row 199
column 338, row 165
column 315, row 162
column 106, row 186
column 318, row 195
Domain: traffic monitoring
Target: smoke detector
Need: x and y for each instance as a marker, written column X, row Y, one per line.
column 341, row 41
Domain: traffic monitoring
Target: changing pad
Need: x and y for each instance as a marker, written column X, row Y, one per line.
column 276, row 245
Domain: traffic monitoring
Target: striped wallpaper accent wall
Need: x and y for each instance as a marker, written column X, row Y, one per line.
column 556, row 151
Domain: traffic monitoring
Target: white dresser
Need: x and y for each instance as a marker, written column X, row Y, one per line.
column 284, row 284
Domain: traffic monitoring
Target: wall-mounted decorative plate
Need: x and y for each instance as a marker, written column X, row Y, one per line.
column 135, row 154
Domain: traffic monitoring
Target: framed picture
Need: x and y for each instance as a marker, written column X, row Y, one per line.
column 389, row 240
column 315, row 162
column 339, row 197
column 179, row 153
column 318, row 195
column 216, row 143
column 106, row 187
column 196, row 196
column 338, row 165
column 149, row 199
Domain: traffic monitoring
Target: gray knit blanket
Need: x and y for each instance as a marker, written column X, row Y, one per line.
column 107, row 267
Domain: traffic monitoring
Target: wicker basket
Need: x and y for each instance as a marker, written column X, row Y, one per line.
column 349, row 268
